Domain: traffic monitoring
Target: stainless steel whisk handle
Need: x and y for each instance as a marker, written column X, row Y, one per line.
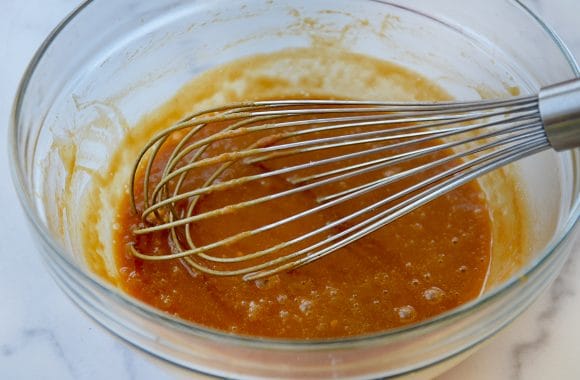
column 559, row 106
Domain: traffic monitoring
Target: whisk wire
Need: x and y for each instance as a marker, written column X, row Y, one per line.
column 390, row 215
column 390, row 160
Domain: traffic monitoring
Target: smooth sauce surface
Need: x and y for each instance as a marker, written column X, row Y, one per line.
column 426, row 263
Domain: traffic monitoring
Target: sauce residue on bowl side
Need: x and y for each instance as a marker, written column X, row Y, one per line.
column 424, row 264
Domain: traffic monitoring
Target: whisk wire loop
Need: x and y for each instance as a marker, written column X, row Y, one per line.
column 440, row 146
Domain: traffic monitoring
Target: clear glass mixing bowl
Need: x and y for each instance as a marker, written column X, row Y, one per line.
column 110, row 62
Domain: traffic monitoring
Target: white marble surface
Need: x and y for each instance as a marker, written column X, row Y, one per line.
column 44, row 336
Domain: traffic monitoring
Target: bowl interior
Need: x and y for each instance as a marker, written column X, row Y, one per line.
column 122, row 75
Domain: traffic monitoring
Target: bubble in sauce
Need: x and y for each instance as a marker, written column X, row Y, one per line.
column 433, row 294
column 406, row 313
column 305, row 306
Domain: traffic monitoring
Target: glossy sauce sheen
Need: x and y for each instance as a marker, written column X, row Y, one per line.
column 425, row 263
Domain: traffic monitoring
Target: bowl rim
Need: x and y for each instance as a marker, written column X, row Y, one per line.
column 20, row 182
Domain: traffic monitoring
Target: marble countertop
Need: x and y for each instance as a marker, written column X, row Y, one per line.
column 43, row 335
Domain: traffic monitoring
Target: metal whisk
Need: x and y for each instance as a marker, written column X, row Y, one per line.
column 443, row 145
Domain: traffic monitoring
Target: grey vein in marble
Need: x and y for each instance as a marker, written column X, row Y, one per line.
column 559, row 292
column 30, row 337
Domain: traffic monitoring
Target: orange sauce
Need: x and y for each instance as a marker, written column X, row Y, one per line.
column 428, row 262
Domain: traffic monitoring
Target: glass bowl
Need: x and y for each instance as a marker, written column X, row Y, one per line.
column 110, row 63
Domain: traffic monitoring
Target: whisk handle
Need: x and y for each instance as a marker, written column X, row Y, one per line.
column 560, row 111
